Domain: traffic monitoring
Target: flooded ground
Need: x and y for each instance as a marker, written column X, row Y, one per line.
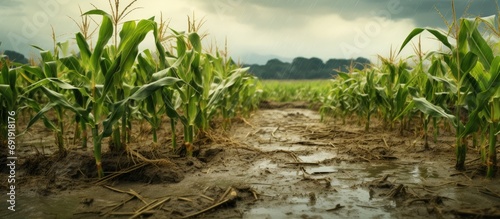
column 279, row 163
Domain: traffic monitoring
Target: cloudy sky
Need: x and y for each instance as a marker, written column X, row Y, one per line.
column 255, row 29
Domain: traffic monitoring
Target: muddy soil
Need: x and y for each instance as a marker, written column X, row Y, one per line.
column 281, row 162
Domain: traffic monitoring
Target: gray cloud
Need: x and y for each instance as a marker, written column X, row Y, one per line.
column 293, row 12
column 313, row 27
column 425, row 12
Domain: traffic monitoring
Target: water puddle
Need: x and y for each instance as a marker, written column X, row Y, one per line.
column 317, row 157
column 321, row 170
column 344, row 203
column 348, row 195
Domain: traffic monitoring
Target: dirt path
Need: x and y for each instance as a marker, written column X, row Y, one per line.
column 283, row 163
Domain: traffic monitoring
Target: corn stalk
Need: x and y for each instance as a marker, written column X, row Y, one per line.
column 473, row 90
column 8, row 96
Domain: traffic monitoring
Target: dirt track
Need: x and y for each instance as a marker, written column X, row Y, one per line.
column 279, row 163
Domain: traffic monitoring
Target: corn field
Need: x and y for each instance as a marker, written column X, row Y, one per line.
column 459, row 88
column 302, row 90
column 105, row 85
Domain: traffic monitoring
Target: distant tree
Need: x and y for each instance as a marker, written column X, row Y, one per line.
column 276, row 69
column 316, row 64
column 304, row 68
column 15, row 56
column 361, row 62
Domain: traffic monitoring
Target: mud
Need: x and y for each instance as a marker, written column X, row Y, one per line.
column 282, row 162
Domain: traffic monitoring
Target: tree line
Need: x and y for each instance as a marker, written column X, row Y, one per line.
column 304, row 68
column 15, row 56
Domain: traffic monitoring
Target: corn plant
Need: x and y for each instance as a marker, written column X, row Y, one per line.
column 46, row 79
column 339, row 98
column 8, row 96
column 102, row 75
column 474, row 69
column 432, row 85
column 392, row 90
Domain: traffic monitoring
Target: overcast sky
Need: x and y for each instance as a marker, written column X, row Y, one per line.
column 255, row 29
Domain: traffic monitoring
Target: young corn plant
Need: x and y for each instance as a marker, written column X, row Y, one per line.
column 339, row 98
column 367, row 97
column 474, row 89
column 46, row 80
column 8, row 97
column 392, row 90
column 102, row 75
column 432, row 86
column 115, row 91
column 187, row 68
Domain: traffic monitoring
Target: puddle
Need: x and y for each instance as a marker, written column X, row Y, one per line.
column 353, row 204
column 321, row 170
column 268, row 166
column 317, row 157
column 293, row 200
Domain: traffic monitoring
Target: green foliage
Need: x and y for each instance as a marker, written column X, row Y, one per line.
column 9, row 91
column 107, row 86
column 460, row 86
column 303, row 68
column 294, row 90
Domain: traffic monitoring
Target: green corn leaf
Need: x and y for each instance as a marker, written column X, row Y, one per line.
column 171, row 107
column 494, row 79
column 478, row 73
column 12, row 73
column 430, row 109
column 449, row 84
column 484, row 97
column 495, row 109
column 480, row 47
column 127, row 28
column 192, row 109
column 181, row 44
column 47, row 56
column 468, row 62
column 55, row 81
column 4, row 72
column 84, row 48
column 461, row 39
column 412, row 34
column 195, row 41
column 116, row 114
column 401, row 96
column 140, row 94
column 37, row 47
column 7, row 95
column 159, row 48
column 34, row 70
column 64, row 48
column 109, row 77
column 72, row 63
column 129, row 45
column 61, row 101
column 148, row 89
column 105, row 34
column 441, row 37
column 40, row 113
column 50, row 69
